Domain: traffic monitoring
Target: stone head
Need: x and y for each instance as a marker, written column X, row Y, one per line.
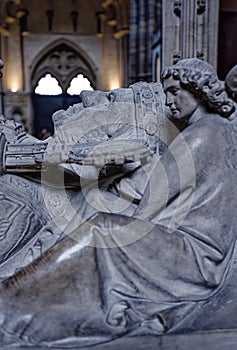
column 201, row 80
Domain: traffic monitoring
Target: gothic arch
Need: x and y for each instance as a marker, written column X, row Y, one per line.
column 64, row 60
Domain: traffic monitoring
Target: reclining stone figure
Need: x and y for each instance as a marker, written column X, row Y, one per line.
column 154, row 254
column 131, row 121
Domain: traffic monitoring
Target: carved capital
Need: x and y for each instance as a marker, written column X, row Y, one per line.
column 201, row 6
column 176, row 56
column 177, row 7
column 200, row 55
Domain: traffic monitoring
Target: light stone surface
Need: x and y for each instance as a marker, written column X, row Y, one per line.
column 145, row 256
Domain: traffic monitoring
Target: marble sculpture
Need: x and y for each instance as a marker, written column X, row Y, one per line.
column 120, row 224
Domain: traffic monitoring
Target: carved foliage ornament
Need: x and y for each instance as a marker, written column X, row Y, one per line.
column 63, row 61
column 177, row 7
column 201, row 6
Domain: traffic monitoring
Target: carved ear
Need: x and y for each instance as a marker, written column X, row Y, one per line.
column 231, row 83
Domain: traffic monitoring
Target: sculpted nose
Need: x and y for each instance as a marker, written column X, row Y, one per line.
column 168, row 100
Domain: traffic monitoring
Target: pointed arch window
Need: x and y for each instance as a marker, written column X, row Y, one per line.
column 79, row 83
column 48, row 85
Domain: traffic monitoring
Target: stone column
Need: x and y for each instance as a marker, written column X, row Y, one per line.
column 142, row 26
column 133, row 53
column 190, row 29
column 14, row 70
column 151, row 26
column 142, row 38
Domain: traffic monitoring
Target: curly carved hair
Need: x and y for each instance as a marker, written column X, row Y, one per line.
column 200, row 78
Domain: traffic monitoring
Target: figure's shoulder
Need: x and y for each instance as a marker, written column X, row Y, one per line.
column 208, row 126
column 210, row 132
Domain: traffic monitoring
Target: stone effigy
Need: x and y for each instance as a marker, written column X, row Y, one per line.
column 126, row 245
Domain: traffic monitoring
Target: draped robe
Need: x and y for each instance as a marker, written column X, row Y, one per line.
column 144, row 272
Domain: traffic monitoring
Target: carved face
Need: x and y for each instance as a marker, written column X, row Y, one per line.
column 181, row 102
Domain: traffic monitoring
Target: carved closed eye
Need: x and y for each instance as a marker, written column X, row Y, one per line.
column 174, row 90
